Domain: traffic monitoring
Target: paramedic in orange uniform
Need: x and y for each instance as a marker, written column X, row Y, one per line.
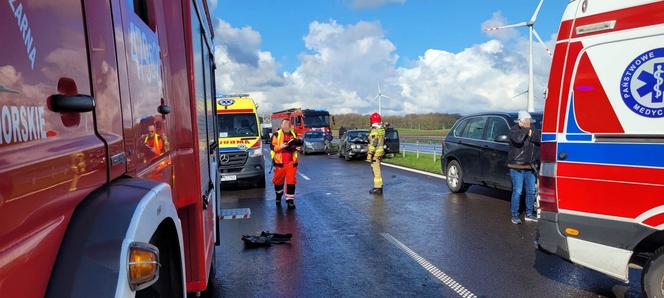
column 154, row 141
column 284, row 159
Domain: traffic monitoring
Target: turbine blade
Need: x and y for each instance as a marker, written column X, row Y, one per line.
column 379, row 92
column 385, row 96
column 375, row 97
column 519, row 94
column 522, row 24
column 542, row 42
column 537, row 10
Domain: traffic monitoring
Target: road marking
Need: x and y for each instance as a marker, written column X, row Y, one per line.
column 303, row 176
column 440, row 275
column 414, row 171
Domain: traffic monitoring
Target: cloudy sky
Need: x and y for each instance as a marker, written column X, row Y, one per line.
column 428, row 55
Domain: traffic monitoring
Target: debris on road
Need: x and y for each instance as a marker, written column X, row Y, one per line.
column 265, row 239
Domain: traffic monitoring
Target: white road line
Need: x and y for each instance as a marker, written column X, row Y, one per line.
column 440, row 275
column 303, row 176
column 414, row 171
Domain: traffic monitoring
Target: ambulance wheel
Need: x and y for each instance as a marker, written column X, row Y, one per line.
column 652, row 279
column 454, row 179
column 260, row 183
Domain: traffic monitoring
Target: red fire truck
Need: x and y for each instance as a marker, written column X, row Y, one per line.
column 602, row 176
column 108, row 148
column 303, row 120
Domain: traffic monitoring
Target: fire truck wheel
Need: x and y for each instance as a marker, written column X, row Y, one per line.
column 170, row 281
column 454, row 179
column 653, row 275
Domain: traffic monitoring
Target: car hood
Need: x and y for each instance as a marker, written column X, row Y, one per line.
column 359, row 141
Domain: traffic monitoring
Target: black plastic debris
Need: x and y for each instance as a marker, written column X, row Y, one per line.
column 265, row 239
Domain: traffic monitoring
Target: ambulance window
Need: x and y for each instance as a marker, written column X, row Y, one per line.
column 144, row 10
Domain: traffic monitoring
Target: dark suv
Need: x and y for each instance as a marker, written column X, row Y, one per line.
column 475, row 151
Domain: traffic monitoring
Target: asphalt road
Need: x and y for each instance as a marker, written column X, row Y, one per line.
column 415, row 240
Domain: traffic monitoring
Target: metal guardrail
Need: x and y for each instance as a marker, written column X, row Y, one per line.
column 417, row 148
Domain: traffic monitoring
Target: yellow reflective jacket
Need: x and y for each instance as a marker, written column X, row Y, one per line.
column 275, row 151
column 376, row 141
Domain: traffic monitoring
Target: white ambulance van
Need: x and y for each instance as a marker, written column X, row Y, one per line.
column 602, row 176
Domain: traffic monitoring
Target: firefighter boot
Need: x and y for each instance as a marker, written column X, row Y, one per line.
column 376, row 191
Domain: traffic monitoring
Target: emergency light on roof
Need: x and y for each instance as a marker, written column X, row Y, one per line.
column 233, row 95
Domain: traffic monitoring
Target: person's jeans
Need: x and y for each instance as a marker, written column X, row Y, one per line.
column 521, row 178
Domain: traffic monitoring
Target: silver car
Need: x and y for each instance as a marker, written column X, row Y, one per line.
column 314, row 142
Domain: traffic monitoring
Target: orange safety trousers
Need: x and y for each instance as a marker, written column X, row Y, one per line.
column 285, row 172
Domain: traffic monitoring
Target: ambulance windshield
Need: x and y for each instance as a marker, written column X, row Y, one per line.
column 237, row 125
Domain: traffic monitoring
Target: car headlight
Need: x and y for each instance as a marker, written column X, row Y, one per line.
column 256, row 152
column 355, row 146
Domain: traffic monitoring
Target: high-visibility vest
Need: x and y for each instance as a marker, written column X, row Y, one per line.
column 156, row 142
column 277, row 140
column 376, row 141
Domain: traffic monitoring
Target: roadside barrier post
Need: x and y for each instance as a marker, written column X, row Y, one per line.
column 417, row 148
column 434, row 154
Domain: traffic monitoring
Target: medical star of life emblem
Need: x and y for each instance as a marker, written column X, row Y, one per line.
column 642, row 84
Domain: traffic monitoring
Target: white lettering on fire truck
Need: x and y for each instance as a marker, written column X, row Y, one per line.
column 19, row 124
column 145, row 54
column 24, row 28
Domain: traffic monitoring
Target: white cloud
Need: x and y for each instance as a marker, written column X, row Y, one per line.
column 362, row 4
column 343, row 63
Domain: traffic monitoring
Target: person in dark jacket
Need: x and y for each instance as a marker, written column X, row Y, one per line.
column 342, row 131
column 523, row 161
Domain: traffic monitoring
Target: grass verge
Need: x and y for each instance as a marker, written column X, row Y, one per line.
column 424, row 163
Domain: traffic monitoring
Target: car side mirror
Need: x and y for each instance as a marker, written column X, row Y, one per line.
column 502, row 139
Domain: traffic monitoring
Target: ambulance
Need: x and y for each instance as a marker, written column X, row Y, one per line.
column 240, row 147
column 601, row 182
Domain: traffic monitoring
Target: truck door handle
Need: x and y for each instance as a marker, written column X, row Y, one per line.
column 206, row 196
column 76, row 103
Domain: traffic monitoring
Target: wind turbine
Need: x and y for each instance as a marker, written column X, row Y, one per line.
column 380, row 96
column 531, row 28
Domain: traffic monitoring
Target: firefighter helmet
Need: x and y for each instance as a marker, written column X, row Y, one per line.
column 375, row 118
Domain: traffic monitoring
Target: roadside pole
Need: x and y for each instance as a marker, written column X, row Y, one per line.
column 417, row 148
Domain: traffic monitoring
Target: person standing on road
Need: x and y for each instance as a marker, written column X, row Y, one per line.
column 328, row 142
column 284, row 147
column 522, row 161
column 375, row 152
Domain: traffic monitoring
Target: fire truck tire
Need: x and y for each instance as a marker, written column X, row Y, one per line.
column 454, row 174
column 652, row 279
column 170, row 281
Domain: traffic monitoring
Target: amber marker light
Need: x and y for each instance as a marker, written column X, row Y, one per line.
column 143, row 265
column 572, row 232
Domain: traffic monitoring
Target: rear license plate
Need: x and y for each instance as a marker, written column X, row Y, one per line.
column 228, row 177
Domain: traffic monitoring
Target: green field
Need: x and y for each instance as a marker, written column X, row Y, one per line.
column 424, row 163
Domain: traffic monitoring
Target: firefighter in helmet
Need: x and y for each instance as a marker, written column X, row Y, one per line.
column 376, row 151
column 284, row 147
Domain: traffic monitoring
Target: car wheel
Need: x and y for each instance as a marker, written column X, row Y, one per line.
column 652, row 279
column 454, row 179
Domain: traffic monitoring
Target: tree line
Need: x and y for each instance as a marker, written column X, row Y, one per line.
column 429, row 121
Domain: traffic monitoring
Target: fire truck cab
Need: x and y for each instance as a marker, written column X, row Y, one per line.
column 601, row 182
column 108, row 150
column 302, row 120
